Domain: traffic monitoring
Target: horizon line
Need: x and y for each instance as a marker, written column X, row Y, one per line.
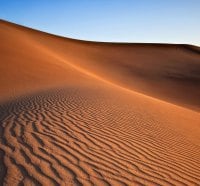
column 95, row 41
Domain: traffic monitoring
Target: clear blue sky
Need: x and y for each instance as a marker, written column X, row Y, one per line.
column 168, row 21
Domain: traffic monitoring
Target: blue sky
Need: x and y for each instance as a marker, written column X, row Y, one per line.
column 157, row 21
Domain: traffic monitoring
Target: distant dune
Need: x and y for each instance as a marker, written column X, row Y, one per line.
column 89, row 113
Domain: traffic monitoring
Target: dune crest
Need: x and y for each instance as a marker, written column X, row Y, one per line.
column 163, row 71
column 87, row 113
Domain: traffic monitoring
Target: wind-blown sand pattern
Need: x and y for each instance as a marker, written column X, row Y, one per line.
column 73, row 114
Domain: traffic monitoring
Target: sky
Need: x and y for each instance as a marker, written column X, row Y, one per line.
column 143, row 21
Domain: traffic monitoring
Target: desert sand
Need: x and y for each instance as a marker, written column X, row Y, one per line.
column 76, row 112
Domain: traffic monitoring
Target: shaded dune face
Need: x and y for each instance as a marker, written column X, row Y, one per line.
column 72, row 112
column 167, row 72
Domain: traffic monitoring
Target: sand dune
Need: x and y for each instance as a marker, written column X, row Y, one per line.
column 87, row 113
column 167, row 72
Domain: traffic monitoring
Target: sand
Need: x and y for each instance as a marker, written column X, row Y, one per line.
column 89, row 113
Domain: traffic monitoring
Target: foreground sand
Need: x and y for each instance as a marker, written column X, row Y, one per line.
column 67, row 118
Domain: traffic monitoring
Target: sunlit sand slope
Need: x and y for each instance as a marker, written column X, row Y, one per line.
column 35, row 59
column 90, row 136
column 71, row 114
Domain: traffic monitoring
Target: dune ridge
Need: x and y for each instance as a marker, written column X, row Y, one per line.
column 163, row 71
column 87, row 113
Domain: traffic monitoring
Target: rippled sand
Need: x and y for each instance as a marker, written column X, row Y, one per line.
column 64, row 121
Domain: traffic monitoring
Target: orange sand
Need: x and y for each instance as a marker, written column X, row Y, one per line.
column 87, row 113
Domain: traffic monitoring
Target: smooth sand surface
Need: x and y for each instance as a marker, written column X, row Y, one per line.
column 87, row 113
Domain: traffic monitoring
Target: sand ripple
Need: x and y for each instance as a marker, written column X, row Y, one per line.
column 88, row 137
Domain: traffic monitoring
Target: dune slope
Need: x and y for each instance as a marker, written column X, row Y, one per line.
column 167, row 72
column 72, row 112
